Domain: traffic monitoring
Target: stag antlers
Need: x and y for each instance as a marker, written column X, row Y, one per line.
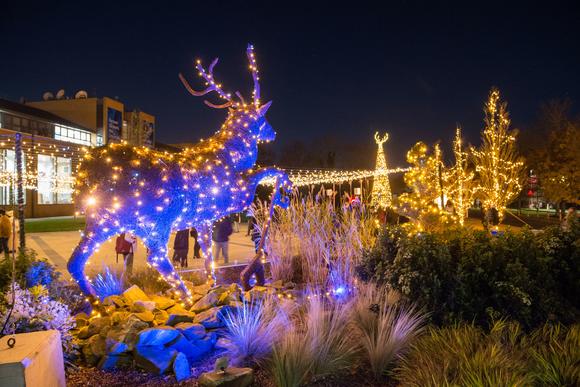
column 381, row 140
column 212, row 84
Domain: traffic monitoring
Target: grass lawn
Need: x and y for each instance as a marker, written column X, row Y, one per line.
column 57, row 224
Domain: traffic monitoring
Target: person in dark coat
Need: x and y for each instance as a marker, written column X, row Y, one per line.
column 196, row 246
column 181, row 247
column 255, row 233
column 251, row 224
column 221, row 236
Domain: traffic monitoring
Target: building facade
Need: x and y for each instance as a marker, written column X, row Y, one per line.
column 54, row 133
column 105, row 116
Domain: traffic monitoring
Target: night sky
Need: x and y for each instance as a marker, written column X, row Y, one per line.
column 336, row 74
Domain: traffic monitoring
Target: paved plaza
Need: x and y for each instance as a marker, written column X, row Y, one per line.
column 58, row 246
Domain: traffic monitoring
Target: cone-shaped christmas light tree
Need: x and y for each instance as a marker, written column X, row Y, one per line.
column 381, row 197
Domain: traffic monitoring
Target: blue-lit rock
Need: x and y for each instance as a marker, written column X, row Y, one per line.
column 191, row 331
column 181, row 367
column 158, row 336
column 154, row 359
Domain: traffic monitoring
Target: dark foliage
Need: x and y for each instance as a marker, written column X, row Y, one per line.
column 465, row 275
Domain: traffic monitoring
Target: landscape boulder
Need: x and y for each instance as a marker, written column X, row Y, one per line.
column 112, row 362
column 181, row 367
column 145, row 316
column 206, row 302
column 96, row 324
column 213, row 318
column 93, row 349
column 145, row 305
column 134, row 293
column 191, row 331
column 178, row 314
column 155, row 359
column 163, row 302
column 231, row 377
column 158, row 336
column 181, row 344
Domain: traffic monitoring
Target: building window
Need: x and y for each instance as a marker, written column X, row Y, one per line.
column 54, row 180
column 64, row 180
column 45, row 168
column 76, row 136
column 8, row 176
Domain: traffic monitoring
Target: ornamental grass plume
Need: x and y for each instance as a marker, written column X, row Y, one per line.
column 386, row 329
column 465, row 355
column 329, row 335
column 108, row 283
column 556, row 354
column 254, row 327
column 290, row 363
column 316, row 239
column 319, row 342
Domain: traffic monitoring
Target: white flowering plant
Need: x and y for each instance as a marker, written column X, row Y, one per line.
column 34, row 311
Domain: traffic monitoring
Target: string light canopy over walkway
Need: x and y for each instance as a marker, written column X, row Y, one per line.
column 308, row 177
column 381, row 194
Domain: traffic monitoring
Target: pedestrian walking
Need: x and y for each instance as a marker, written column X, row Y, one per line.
column 221, row 236
column 196, row 246
column 5, row 232
column 181, row 247
column 126, row 245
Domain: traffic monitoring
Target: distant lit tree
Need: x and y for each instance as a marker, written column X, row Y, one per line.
column 559, row 165
column 459, row 181
column 498, row 166
column 420, row 205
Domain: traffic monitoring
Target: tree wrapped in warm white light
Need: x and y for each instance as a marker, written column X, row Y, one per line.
column 424, row 179
column 497, row 163
column 381, row 196
column 459, row 181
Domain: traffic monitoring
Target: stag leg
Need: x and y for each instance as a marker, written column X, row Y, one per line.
column 92, row 238
column 156, row 243
column 204, row 238
column 256, row 266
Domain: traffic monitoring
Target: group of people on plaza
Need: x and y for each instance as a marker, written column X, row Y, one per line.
column 126, row 245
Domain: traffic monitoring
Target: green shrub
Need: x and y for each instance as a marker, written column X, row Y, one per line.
column 32, row 271
column 150, row 281
column 466, row 275
column 24, row 260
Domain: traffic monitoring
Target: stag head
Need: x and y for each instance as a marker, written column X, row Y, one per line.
column 239, row 110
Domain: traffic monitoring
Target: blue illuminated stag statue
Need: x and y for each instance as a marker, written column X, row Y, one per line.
column 123, row 188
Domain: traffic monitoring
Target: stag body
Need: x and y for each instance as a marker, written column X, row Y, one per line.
column 149, row 193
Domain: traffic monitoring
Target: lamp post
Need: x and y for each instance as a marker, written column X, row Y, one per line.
column 19, row 188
